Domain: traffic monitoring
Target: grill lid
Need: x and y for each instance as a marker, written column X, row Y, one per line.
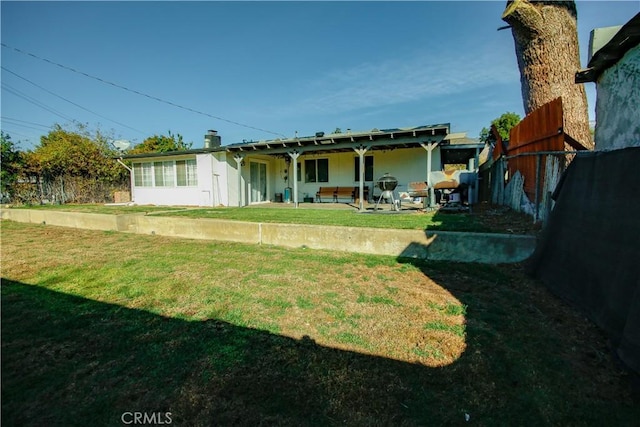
column 387, row 182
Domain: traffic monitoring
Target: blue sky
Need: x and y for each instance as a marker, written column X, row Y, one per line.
column 279, row 67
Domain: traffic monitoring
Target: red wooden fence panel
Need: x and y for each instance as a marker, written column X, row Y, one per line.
column 541, row 130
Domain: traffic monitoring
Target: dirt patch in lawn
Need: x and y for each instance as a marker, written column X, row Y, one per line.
column 503, row 219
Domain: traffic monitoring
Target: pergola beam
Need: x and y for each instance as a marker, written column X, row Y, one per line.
column 346, row 146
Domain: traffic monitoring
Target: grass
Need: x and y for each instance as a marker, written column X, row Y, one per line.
column 483, row 219
column 101, row 208
column 95, row 324
column 340, row 217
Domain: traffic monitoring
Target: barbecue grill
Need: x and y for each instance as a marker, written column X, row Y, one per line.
column 387, row 184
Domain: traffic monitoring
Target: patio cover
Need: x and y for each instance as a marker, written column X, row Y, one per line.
column 376, row 139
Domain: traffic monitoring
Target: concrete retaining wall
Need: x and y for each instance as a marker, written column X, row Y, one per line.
column 442, row 245
column 209, row 229
column 103, row 222
column 445, row 245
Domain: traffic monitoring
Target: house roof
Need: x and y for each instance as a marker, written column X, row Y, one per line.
column 621, row 42
column 381, row 139
column 456, row 147
column 171, row 153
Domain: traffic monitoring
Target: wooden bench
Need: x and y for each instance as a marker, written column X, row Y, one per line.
column 326, row 192
column 344, row 193
column 351, row 193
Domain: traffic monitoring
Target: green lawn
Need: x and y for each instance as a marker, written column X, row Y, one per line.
column 101, row 208
column 95, row 324
column 352, row 218
column 340, row 217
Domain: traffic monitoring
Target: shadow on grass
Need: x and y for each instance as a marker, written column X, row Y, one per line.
column 68, row 361
column 458, row 221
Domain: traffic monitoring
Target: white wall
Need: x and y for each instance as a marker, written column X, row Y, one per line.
column 165, row 196
column 618, row 104
column 205, row 179
column 200, row 195
column 406, row 165
column 220, row 178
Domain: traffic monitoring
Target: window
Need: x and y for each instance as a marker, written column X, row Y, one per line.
column 142, row 173
column 186, row 173
column 137, row 174
column 316, row 170
column 164, row 174
column 368, row 168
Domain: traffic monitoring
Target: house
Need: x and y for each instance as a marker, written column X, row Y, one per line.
column 614, row 66
column 295, row 169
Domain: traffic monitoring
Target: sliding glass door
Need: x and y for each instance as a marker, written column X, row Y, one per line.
column 258, row 173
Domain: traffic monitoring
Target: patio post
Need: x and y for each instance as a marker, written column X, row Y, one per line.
column 432, row 194
column 476, row 164
column 361, row 152
column 239, row 158
column 294, row 160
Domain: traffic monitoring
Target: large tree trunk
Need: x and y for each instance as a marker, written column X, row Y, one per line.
column 546, row 39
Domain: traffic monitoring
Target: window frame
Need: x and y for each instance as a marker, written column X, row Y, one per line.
column 165, row 173
column 368, row 169
column 316, row 170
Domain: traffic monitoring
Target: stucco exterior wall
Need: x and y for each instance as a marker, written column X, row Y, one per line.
column 220, row 179
column 200, row 195
column 405, row 164
column 618, row 104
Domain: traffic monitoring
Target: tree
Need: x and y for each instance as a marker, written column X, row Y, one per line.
column 76, row 153
column 161, row 144
column 11, row 161
column 73, row 166
column 503, row 124
column 546, row 43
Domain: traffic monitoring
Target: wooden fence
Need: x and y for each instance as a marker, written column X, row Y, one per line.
column 524, row 172
column 540, row 131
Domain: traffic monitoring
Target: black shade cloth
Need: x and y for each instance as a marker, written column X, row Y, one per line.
column 589, row 250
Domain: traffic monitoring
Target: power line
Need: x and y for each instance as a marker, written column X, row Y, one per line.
column 70, row 102
column 138, row 92
column 33, row 101
column 11, row 119
column 11, row 123
column 32, row 125
column 11, row 133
